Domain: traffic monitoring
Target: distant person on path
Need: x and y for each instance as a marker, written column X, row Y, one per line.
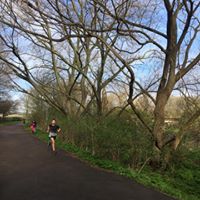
column 33, row 126
column 53, row 129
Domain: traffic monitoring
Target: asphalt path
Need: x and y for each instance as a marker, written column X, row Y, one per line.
column 29, row 171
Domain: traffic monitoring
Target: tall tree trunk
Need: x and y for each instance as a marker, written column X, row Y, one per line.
column 99, row 103
column 159, row 117
column 159, row 129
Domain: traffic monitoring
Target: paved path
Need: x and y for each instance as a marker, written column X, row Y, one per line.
column 28, row 171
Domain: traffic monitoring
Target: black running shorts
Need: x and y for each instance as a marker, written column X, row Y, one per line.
column 54, row 137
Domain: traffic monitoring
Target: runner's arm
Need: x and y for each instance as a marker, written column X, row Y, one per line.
column 48, row 129
column 59, row 130
column 61, row 133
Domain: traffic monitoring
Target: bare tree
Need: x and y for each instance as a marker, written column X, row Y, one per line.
column 7, row 106
column 175, row 40
column 72, row 62
column 81, row 49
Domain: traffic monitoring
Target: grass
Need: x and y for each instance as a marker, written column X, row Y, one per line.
column 179, row 184
column 6, row 123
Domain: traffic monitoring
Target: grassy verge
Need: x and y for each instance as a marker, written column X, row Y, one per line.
column 6, row 123
column 167, row 183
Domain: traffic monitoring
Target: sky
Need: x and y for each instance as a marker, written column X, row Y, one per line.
column 141, row 69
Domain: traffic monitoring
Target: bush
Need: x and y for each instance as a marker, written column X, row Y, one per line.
column 111, row 138
column 122, row 140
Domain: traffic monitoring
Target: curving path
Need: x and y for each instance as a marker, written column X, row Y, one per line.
column 28, row 171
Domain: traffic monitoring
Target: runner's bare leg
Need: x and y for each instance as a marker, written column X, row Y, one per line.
column 53, row 144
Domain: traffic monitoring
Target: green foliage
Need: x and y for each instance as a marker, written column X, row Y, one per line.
column 8, row 122
column 184, row 171
column 119, row 140
column 120, row 144
column 180, row 180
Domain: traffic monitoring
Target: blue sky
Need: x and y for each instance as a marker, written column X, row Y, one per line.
column 142, row 69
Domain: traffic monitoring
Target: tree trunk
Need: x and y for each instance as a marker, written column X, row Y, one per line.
column 158, row 129
column 159, row 117
column 177, row 142
column 99, row 107
column 3, row 116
